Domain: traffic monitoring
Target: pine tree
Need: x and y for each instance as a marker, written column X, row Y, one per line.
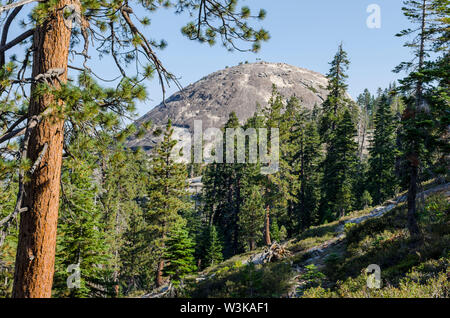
column 196, row 225
column 337, row 100
column 366, row 101
column 278, row 233
column 179, row 254
column 429, row 36
column 366, row 105
column 280, row 187
column 381, row 179
column 223, row 192
column 213, row 250
column 307, row 160
column 46, row 112
column 166, row 190
column 339, row 170
column 251, row 217
column 439, row 102
column 81, row 238
column 136, row 258
column 122, row 187
column 8, row 234
column 366, row 199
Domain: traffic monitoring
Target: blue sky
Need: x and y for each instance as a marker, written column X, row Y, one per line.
column 304, row 33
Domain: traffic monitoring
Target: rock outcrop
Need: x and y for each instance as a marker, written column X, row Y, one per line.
column 237, row 89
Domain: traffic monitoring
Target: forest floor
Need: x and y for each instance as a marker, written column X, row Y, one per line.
column 318, row 255
column 322, row 257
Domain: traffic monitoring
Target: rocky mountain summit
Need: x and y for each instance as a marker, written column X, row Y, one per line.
column 236, row 89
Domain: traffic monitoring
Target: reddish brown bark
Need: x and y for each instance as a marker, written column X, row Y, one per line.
column 35, row 257
column 267, row 239
column 159, row 274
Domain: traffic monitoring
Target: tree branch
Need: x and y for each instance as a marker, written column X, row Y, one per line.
column 17, row 40
column 13, row 126
column 20, row 131
column 16, row 4
column 5, row 33
column 4, row 223
column 163, row 74
column 39, row 159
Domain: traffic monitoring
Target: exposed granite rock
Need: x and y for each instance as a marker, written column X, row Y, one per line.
column 237, row 89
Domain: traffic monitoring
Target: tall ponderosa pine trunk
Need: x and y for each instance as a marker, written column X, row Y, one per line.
column 35, row 258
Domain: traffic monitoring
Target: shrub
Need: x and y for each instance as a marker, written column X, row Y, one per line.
column 332, row 261
column 435, row 210
column 348, row 227
column 249, row 281
column 426, row 280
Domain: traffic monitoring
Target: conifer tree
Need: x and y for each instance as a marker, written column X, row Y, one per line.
column 179, row 254
column 338, row 132
column 339, row 169
column 430, row 35
column 366, row 101
column 366, row 199
column 8, row 235
column 136, row 258
column 110, row 28
column 366, row 105
column 337, row 100
column 213, row 250
column 251, row 217
column 308, row 158
column 223, row 185
column 280, row 187
column 82, row 239
column 166, row 190
column 122, row 186
column 278, row 233
column 381, row 179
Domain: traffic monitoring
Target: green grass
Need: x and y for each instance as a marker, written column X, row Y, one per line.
column 314, row 236
column 234, row 261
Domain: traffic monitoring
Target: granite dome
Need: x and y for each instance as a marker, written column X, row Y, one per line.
column 239, row 89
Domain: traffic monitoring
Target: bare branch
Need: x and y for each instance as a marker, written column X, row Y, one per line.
column 39, row 159
column 16, row 4
column 13, row 126
column 8, row 22
column 15, row 133
column 17, row 40
column 20, row 131
column 113, row 52
column 5, row 222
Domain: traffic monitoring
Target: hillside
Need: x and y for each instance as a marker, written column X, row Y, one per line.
column 331, row 260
